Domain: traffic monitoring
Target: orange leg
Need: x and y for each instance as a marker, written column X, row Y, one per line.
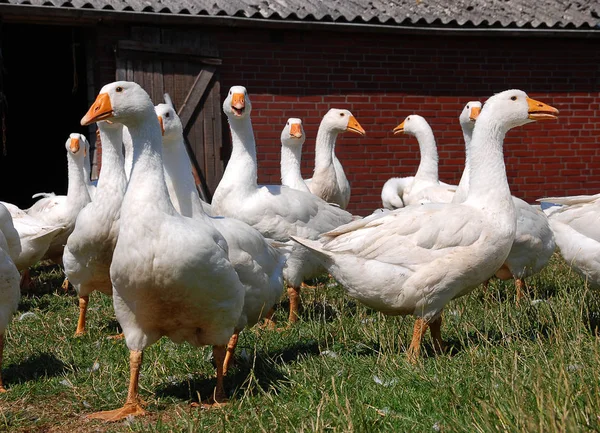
column 133, row 404
column 294, row 295
column 25, row 284
column 2, row 389
column 415, row 345
column 83, row 305
column 230, row 352
column 306, row 286
column 435, row 326
column 520, row 285
column 65, row 284
column 219, row 398
column 269, row 323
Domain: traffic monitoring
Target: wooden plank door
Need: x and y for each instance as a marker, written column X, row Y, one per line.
column 184, row 65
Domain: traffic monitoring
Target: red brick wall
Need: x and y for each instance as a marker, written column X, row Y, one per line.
column 383, row 78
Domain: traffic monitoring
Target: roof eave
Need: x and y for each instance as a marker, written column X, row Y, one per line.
column 12, row 13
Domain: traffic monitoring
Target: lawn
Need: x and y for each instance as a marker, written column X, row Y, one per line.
column 526, row 368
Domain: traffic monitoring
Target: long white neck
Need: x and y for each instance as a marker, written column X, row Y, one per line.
column 463, row 186
column 147, row 182
column 290, row 168
column 112, row 180
column 428, row 167
column 241, row 171
column 128, row 149
column 324, row 146
column 179, row 178
column 77, row 192
column 488, row 185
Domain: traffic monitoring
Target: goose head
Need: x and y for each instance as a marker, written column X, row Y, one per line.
column 77, row 145
column 469, row 114
column 341, row 121
column 293, row 133
column 237, row 104
column 513, row 108
column 122, row 102
column 412, row 125
column 170, row 122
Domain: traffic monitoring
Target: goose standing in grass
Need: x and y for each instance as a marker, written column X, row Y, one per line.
column 89, row 250
column 10, row 295
column 534, row 241
column 292, row 139
column 276, row 211
column 171, row 274
column 425, row 186
column 63, row 210
column 576, row 227
column 329, row 181
column 258, row 264
column 416, row 259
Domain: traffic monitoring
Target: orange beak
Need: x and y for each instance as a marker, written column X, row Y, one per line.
column 540, row 111
column 354, row 126
column 74, row 145
column 474, row 113
column 399, row 129
column 295, row 130
column 101, row 109
column 238, row 103
column 162, row 128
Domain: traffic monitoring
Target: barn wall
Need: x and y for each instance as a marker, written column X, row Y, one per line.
column 383, row 78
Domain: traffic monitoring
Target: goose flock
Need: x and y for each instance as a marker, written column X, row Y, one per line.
column 201, row 273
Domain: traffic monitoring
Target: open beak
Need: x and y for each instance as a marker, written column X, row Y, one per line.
column 162, row 127
column 101, row 109
column 295, row 130
column 354, row 126
column 238, row 104
column 540, row 111
column 399, row 129
column 474, row 114
column 74, row 145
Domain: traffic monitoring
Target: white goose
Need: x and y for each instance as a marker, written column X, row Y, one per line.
column 11, row 234
column 33, row 236
column 89, row 250
column 576, row 228
column 63, row 210
column 10, row 294
column 416, row 259
column 258, row 264
column 171, row 275
column 329, row 181
column 292, row 139
column 425, row 186
column 276, row 211
column 534, row 241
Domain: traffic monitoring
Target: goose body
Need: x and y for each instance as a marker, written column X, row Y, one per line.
column 414, row 260
column 576, row 227
column 329, row 181
column 10, row 294
column 276, row 211
column 171, row 275
column 89, row 250
column 259, row 265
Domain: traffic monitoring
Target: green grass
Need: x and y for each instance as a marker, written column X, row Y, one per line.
column 531, row 368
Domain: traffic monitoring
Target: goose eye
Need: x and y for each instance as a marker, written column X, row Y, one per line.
column 342, row 114
column 119, row 89
column 467, row 107
column 168, row 115
column 230, row 92
column 513, row 98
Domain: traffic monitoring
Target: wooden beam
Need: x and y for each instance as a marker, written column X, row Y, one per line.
column 187, row 109
column 164, row 50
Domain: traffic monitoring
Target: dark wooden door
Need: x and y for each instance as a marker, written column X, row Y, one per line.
column 184, row 65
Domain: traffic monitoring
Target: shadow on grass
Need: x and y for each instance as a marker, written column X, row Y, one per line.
column 34, row 367
column 265, row 372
